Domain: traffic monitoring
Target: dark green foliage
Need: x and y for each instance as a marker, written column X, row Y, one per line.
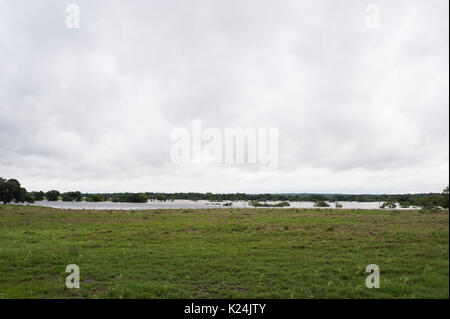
column 94, row 198
column 29, row 198
column 419, row 200
column 445, row 198
column 130, row 198
column 414, row 199
column 321, row 203
column 52, row 195
column 161, row 197
column 10, row 191
column 389, row 204
column 76, row 196
column 72, row 196
column 404, row 200
column 67, row 198
column 139, row 198
column 258, row 204
column 405, row 204
column 38, row 196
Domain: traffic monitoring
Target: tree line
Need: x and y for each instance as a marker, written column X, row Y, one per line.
column 11, row 191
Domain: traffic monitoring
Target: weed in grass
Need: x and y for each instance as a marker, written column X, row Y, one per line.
column 74, row 250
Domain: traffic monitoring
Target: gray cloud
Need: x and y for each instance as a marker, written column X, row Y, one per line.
column 358, row 109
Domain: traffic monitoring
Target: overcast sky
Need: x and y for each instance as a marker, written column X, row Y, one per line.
column 359, row 108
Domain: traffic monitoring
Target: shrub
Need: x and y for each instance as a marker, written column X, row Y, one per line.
column 130, row 198
column 93, row 198
column 388, row 204
column 321, row 203
column 258, row 204
column 67, row 198
column 52, row 195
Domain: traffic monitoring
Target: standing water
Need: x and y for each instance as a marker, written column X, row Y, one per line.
column 189, row 204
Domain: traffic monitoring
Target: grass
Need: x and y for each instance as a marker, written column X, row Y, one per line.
column 223, row 253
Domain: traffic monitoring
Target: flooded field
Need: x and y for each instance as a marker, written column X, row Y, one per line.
column 189, row 204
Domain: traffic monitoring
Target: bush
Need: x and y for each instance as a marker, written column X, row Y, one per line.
column 321, row 203
column 93, row 198
column 52, row 195
column 130, row 198
column 38, row 196
column 161, row 197
column 388, row 204
column 29, row 199
column 405, row 204
column 67, row 198
column 258, row 204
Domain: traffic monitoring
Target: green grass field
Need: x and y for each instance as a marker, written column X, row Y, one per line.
column 223, row 253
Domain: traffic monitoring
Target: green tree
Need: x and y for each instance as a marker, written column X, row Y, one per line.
column 38, row 196
column 11, row 191
column 67, row 197
column 139, row 198
column 94, row 198
column 321, row 203
column 29, row 198
column 445, row 198
column 161, row 197
column 71, row 196
column 52, row 195
column 2, row 189
column 77, row 196
column 389, row 204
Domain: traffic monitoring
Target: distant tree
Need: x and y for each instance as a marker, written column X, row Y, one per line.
column 38, row 196
column 161, row 197
column 139, row 198
column 445, row 198
column 405, row 204
column 389, row 204
column 265, row 204
column 77, row 196
column 22, row 196
column 72, row 196
column 94, row 198
column 321, row 203
column 29, row 198
column 10, row 191
column 66, row 197
column 52, row 195
column 2, row 190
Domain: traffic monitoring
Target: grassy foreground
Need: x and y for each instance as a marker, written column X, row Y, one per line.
column 223, row 253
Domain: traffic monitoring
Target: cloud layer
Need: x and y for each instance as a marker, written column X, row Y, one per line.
column 358, row 109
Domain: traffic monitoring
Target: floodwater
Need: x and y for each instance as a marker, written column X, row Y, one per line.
column 189, row 204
